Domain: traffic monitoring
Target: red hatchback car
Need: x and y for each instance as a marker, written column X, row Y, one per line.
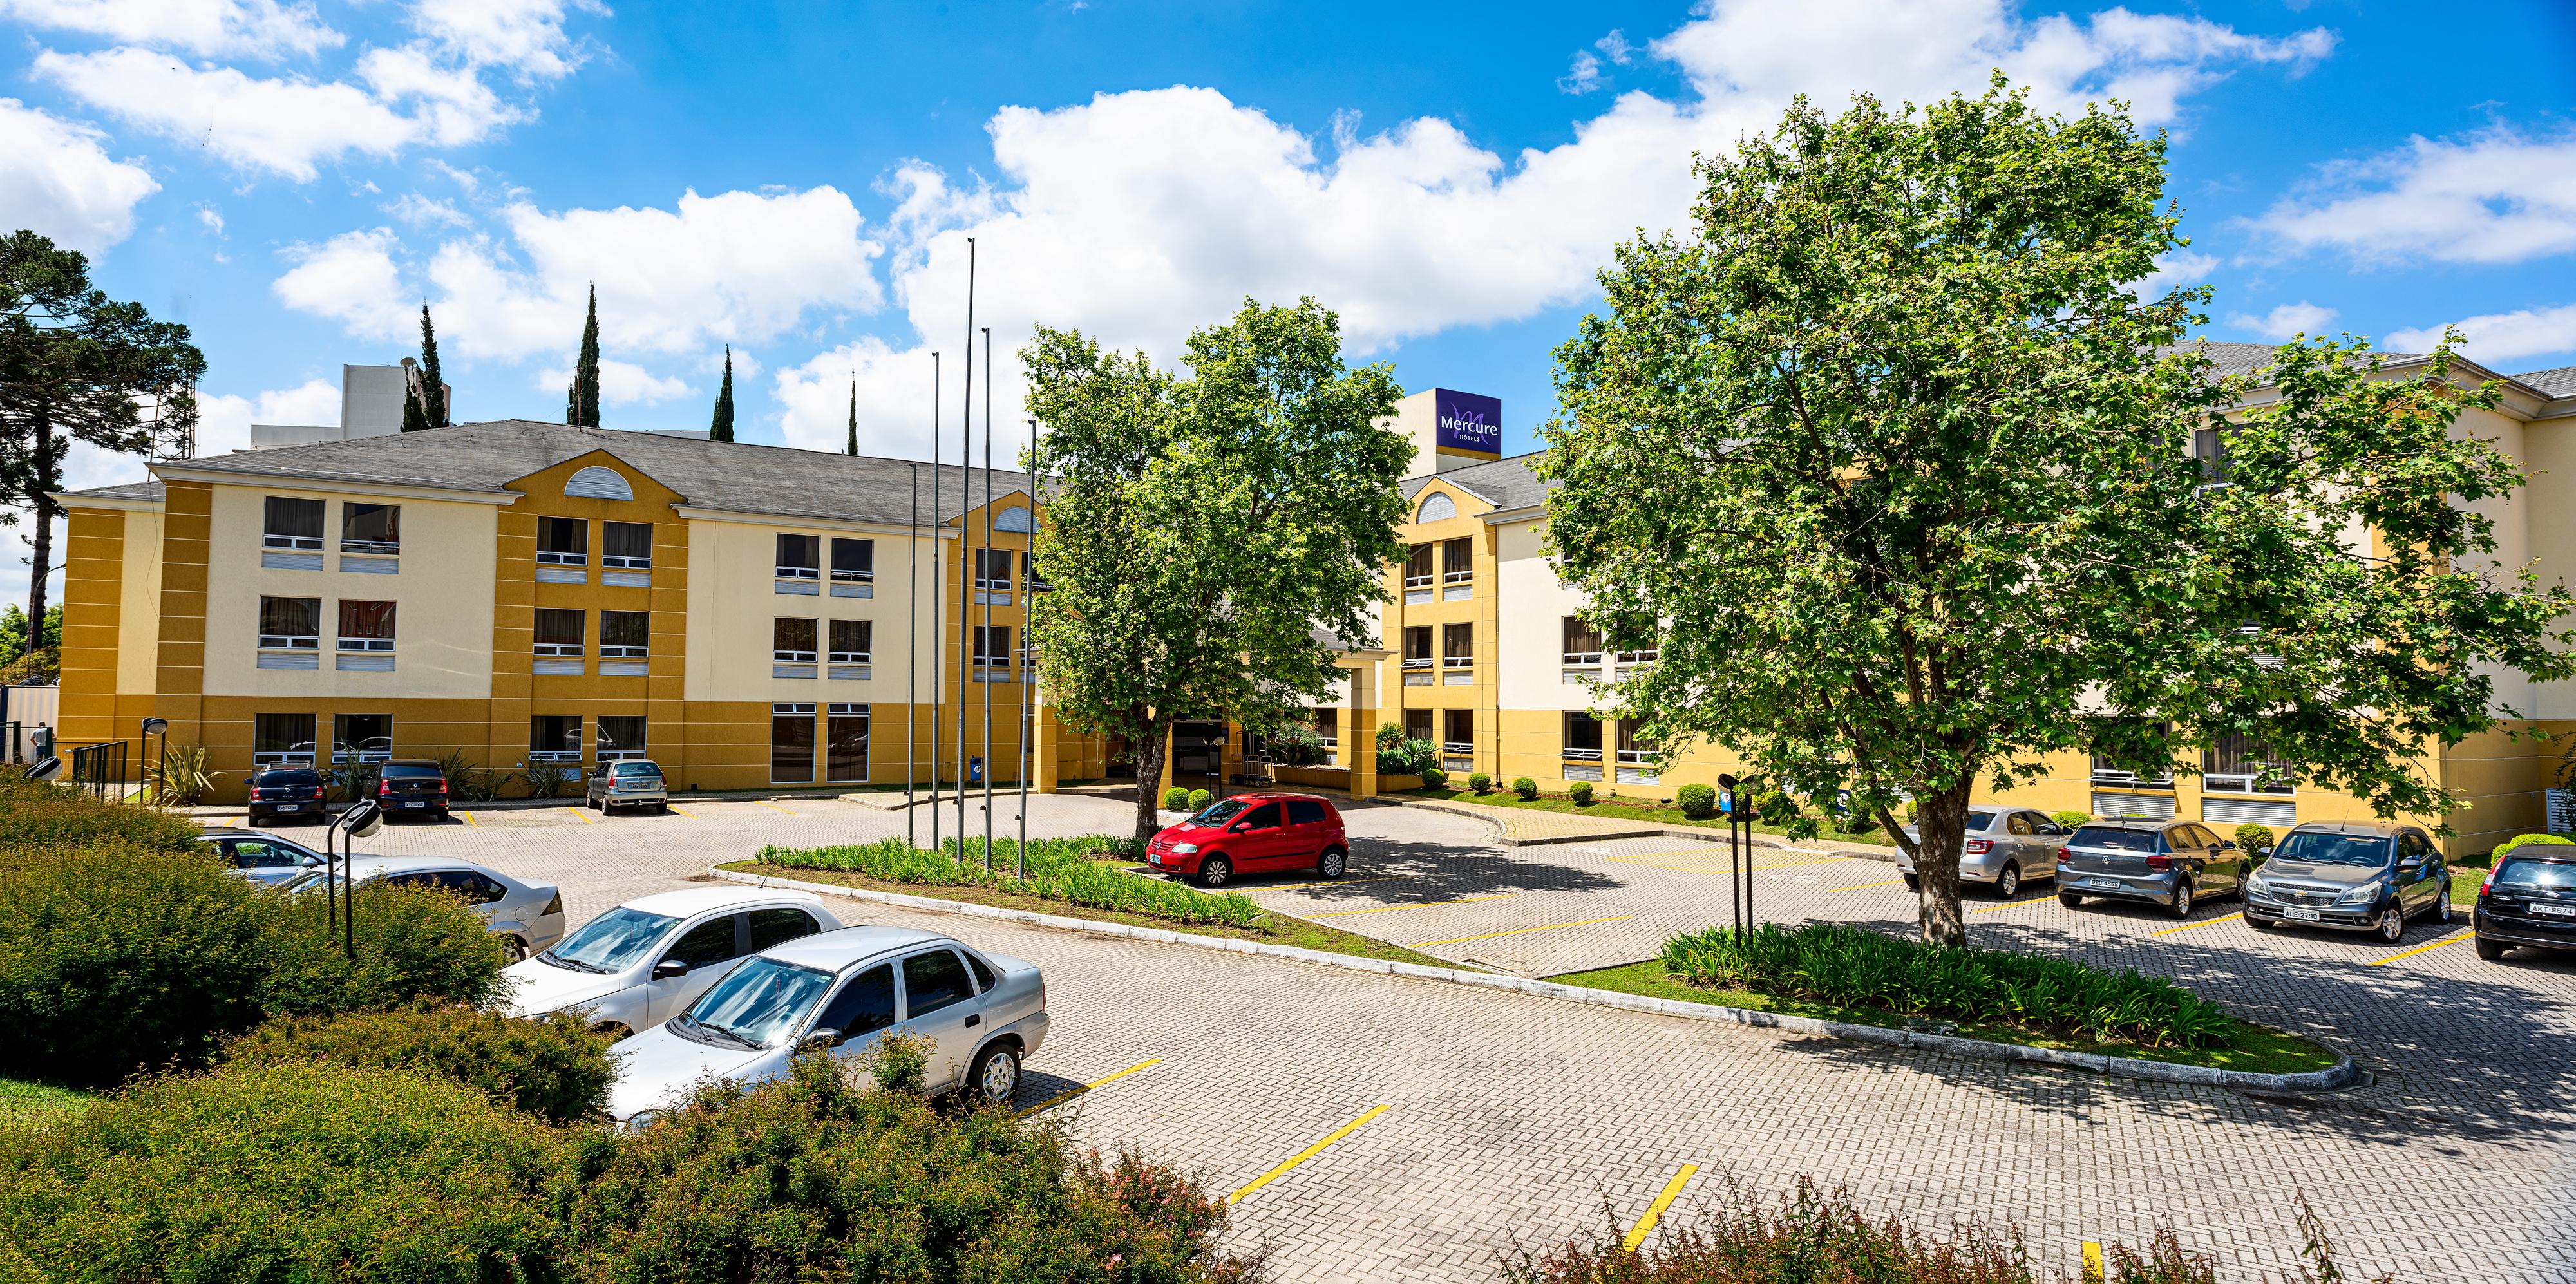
column 1253, row 834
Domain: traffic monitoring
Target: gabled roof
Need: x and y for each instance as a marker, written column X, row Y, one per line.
column 1505, row 483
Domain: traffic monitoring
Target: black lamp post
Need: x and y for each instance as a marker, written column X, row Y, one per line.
column 361, row 820
column 158, row 727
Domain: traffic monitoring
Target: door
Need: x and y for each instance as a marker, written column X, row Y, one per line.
column 1310, row 827
column 2024, row 837
column 706, row 948
column 939, row 1005
column 598, row 788
column 860, row 1010
column 1261, row 839
column 2421, row 878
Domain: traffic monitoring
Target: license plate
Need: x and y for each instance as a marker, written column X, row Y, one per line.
column 415, row 804
column 2558, row 911
column 290, row 806
column 2103, row 882
column 2303, row 914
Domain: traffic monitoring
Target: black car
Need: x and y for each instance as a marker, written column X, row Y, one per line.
column 2529, row 898
column 287, row 791
column 412, row 787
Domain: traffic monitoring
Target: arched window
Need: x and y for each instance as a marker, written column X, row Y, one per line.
column 596, row 482
column 1438, row 508
column 1013, row 518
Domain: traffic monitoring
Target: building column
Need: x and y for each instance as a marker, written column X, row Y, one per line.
column 1166, row 781
column 1048, row 767
column 1359, row 742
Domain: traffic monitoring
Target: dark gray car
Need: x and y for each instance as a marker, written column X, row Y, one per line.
column 2172, row 863
column 2356, row 876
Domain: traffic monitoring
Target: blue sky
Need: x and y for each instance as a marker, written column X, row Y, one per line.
column 294, row 179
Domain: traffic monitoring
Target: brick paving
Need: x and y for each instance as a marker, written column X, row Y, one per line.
column 1515, row 1116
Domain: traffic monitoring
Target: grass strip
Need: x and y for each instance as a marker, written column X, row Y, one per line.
column 2249, row 1047
column 25, row 1102
column 1628, row 809
column 1059, row 869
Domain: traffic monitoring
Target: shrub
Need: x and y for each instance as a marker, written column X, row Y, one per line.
column 814, row 1178
column 467, row 781
column 1699, row 802
column 1479, row 782
column 1581, row 792
column 545, row 779
column 2254, row 838
column 37, row 819
column 180, row 775
column 1406, row 757
column 412, row 944
column 553, row 1067
column 1176, row 799
column 2073, row 819
column 1775, row 808
column 290, row 1171
column 1854, row 823
column 1434, row 778
column 1852, row 966
column 1913, row 811
column 1524, row 789
column 1200, row 798
column 2526, row 840
column 1060, row 869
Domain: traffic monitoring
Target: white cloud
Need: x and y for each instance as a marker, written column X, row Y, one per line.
column 283, row 125
column 2500, row 336
column 2175, row 270
column 2491, row 197
column 426, row 211
column 57, row 178
column 525, row 36
column 2286, row 321
column 1584, row 76
column 352, row 279
column 621, row 383
column 259, row 28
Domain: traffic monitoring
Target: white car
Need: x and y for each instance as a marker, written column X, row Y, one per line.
column 983, row 1015
column 641, row 963
column 526, row 916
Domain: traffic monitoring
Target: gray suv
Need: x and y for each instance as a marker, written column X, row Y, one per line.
column 2359, row 876
column 2173, row 863
column 2004, row 846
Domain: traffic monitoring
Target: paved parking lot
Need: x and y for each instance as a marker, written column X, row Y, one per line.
column 1509, row 1115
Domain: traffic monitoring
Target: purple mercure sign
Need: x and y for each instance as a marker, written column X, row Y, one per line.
column 1468, row 422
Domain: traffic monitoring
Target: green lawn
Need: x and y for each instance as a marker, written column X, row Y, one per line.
column 1626, row 809
column 2255, row 1048
column 1277, row 929
column 24, row 1101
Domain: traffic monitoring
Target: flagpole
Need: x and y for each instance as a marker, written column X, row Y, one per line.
column 912, row 662
column 965, row 497
column 988, row 599
column 938, row 592
column 1028, row 671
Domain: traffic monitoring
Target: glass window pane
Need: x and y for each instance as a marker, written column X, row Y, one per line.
column 291, row 616
column 863, row 1007
column 626, row 539
column 772, row 926
column 367, row 620
column 295, row 518
column 933, row 981
column 625, row 628
column 370, row 527
column 792, row 639
column 282, row 732
column 622, row 733
column 708, row 942
column 798, row 551
column 555, row 733
column 853, row 559
column 846, row 748
column 563, row 535
column 791, row 748
column 850, row 639
column 559, row 627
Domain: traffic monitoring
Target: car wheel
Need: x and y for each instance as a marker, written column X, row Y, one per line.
column 2442, row 907
column 2181, row 906
column 2392, row 926
column 2008, row 881
column 514, row 949
column 2069, row 899
column 1332, row 862
column 2491, row 950
column 1913, row 882
column 995, row 1077
column 1214, row 871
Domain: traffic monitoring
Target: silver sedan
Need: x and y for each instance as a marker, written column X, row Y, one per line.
column 645, row 961
column 527, row 917
column 2005, row 847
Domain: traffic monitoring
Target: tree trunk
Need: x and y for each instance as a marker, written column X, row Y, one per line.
column 45, row 483
column 1150, row 749
column 1942, row 823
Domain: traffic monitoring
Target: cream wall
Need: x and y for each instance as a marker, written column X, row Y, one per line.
column 1532, row 614
column 733, row 603
column 138, row 630
column 443, row 592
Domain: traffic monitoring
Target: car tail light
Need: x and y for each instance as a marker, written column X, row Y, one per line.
column 2159, row 860
column 2489, row 880
column 2063, row 854
column 384, row 787
column 554, row 904
column 1979, row 847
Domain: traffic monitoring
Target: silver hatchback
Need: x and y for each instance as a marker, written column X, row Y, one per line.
column 627, row 782
column 2172, row 863
column 2005, row 847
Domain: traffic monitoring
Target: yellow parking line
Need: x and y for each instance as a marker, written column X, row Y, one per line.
column 1302, row 1156
column 2465, row 934
column 2014, row 904
column 2092, row 1261
column 1338, row 882
column 775, row 807
column 1382, row 909
column 469, row 817
column 1455, row 940
column 582, row 814
column 1655, row 1210
column 678, row 811
column 1071, row 1093
column 2168, row 931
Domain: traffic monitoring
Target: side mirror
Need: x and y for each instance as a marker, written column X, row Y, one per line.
column 2227, row 844
column 668, row 968
column 308, row 860
column 826, row 1038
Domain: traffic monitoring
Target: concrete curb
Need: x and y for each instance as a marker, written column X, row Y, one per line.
column 2341, row 1074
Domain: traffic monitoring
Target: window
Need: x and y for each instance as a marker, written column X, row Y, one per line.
column 854, row 561
column 1306, row 811
column 777, row 926
column 1417, row 646
column 1647, row 656
column 1582, row 642
column 626, row 545
column 791, row 744
column 799, row 557
column 850, row 641
column 560, row 631
column 563, row 541
column 293, row 523
column 554, row 737
column 1417, row 567
column 1265, row 816
column 983, row 975
column 1037, row 583
column 366, row 626
column 845, row 744
column 863, row 1007
column 1417, row 724
column 1582, row 737
column 1328, row 727
column 993, row 568
column 1635, row 747
column 992, row 646
column 1457, row 561
column 290, row 623
column 709, row 942
column 281, row 740
column 2243, row 764
column 621, row 736
column 791, row 640
column 1458, row 646
column 370, row 528
column 933, row 981
column 2107, row 772
column 625, row 635
column 2209, row 446
column 1458, row 728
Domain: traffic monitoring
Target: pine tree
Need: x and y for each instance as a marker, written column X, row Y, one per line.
column 853, row 447
column 433, row 388
column 581, row 401
column 722, row 428
column 415, row 416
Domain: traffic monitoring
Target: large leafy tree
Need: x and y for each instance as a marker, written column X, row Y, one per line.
column 78, row 366
column 1207, row 534
column 1896, row 469
column 581, row 400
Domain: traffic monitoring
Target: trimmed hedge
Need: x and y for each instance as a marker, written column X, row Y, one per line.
column 1855, row 967
column 39, row 819
column 1699, row 802
column 1434, row 778
column 1581, row 792
column 1524, row 789
column 1176, row 799
column 1060, row 869
column 2072, row 819
column 552, row 1067
column 2253, row 837
column 1479, row 782
column 1199, row 799
column 2525, row 840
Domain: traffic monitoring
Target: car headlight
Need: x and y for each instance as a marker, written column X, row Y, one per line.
column 1184, row 849
column 643, row 1119
column 2362, row 895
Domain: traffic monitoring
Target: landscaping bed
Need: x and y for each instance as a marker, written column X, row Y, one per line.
column 1069, row 871
column 1630, row 809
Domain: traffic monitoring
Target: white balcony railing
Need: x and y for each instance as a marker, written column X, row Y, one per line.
column 2245, row 783
column 2115, row 776
column 1632, row 757
column 563, row 559
column 1640, row 657
column 1458, row 662
column 849, row 657
column 1582, row 659
column 290, row 642
column 615, row 562
column 1458, row 748
column 1582, row 755
column 379, row 547
column 783, row 655
column 799, row 573
column 1458, row 577
column 1417, row 662
column 366, row 644
column 1417, row 581
column 563, row 648
column 312, row 543
column 607, row 652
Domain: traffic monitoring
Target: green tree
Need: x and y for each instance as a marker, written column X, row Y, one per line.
column 415, row 412
column 433, row 384
column 581, row 401
column 78, row 366
column 1206, row 535
column 1896, row 471
column 722, row 427
column 853, row 447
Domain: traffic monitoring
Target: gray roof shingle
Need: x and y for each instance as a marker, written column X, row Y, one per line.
column 1509, row 483
column 2560, row 382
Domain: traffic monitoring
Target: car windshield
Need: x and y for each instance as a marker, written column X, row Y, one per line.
column 1219, row 813
column 611, row 942
column 2333, row 849
column 2118, row 840
column 409, row 771
column 2537, row 876
column 633, row 769
column 759, row 1001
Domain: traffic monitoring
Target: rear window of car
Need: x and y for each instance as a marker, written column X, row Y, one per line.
column 2522, row 874
column 2118, row 840
column 1305, row 811
column 633, row 769
column 1980, row 819
column 410, row 771
column 273, row 779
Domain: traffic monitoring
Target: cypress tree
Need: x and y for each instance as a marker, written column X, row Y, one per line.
column 722, row 428
column 853, row 447
column 581, row 400
column 433, row 387
column 415, row 416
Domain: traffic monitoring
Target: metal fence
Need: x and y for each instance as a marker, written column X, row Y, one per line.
column 24, row 742
column 100, row 769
